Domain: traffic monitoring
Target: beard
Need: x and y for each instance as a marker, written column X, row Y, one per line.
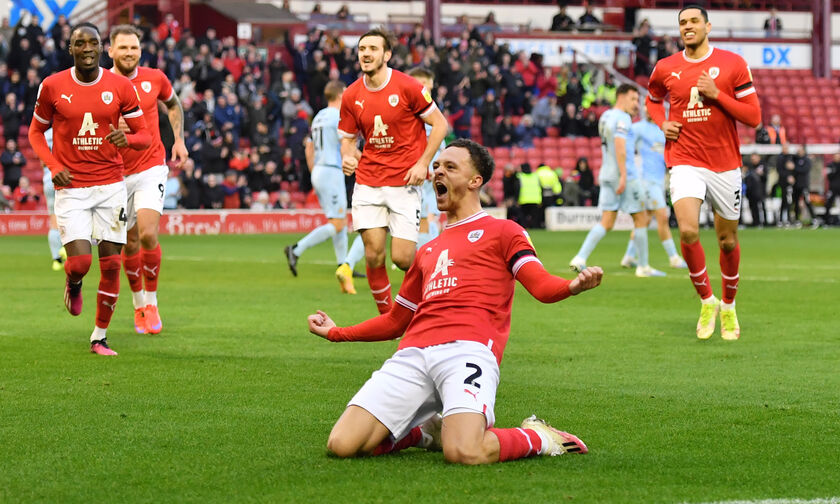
column 124, row 69
column 377, row 66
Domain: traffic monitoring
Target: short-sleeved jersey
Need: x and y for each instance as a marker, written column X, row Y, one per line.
column 461, row 284
column 391, row 120
column 325, row 138
column 708, row 137
column 81, row 114
column 614, row 124
column 650, row 144
column 152, row 85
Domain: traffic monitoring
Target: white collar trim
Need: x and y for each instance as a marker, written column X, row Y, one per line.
column 699, row 60
column 380, row 88
column 76, row 79
column 472, row 218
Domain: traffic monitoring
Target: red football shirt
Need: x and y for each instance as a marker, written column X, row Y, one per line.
column 708, row 138
column 81, row 114
column 390, row 119
column 461, row 284
column 152, row 85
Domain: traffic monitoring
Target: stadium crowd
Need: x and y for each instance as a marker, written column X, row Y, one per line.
column 247, row 109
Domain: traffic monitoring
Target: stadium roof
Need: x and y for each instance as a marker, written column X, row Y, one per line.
column 252, row 12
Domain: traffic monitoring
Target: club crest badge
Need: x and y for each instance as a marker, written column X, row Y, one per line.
column 146, row 86
column 107, row 97
column 393, row 100
column 714, row 72
column 475, row 235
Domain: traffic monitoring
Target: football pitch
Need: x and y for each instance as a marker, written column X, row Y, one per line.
column 233, row 402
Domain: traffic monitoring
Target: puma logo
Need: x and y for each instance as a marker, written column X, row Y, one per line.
column 68, row 98
column 110, row 305
column 677, row 74
column 361, row 104
column 735, row 287
column 475, row 395
column 700, row 284
column 381, row 301
column 135, row 273
column 153, row 271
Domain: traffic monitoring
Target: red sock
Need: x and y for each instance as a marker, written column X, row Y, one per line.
column 729, row 262
column 380, row 287
column 517, row 443
column 109, row 289
column 133, row 267
column 151, row 267
column 388, row 446
column 696, row 260
column 77, row 267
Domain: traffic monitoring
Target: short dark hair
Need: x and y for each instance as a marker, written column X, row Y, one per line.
column 479, row 155
column 695, row 6
column 379, row 32
column 86, row 24
column 625, row 88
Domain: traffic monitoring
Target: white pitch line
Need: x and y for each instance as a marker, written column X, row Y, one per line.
column 827, row 500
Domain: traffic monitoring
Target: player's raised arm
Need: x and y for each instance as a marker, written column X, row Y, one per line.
column 388, row 326
column 548, row 288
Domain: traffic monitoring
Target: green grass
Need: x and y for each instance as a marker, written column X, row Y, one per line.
column 234, row 401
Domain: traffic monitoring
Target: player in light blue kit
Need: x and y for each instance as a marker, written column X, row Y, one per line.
column 323, row 156
column 429, row 226
column 58, row 253
column 650, row 144
column 621, row 187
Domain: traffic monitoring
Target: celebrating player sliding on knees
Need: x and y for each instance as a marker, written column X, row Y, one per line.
column 438, row 391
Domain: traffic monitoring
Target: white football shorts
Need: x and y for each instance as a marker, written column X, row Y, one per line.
column 397, row 208
column 415, row 383
column 721, row 190
column 146, row 190
column 92, row 213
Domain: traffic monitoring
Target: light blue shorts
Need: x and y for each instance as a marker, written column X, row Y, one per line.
column 49, row 192
column 428, row 200
column 329, row 187
column 654, row 195
column 630, row 201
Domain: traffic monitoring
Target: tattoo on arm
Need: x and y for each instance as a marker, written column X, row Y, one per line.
column 176, row 117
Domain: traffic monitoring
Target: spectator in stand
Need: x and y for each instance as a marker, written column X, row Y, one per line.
column 526, row 132
column 191, row 185
column 240, row 161
column 643, row 41
column 512, row 86
column 529, row 198
column 292, row 106
column 561, row 21
column 666, row 47
column 832, row 173
column 295, row 135
column 588, row 21
column 212, row 43
column 754, row 174
column 546, row 82
column 589, row 124
column 586, row 182
column 786, row 168
column 574, row 91
column 605, row 94
column 506, row 136
column 262, row 142
column 262, row 202
column 510, row 191
column 343, row 13
column 13, row 162
column 213, row 155
column 284, row 201
column 461, row 116
column 773, row 24
column 802, row 186
column 144, row 28
column 776, row 131
column 479, row 81
column 170, row 27
column 24, row 197
column 527, row 70
column 761, row 134
column 317, row 76
column 489, row 110
column 233, row 63
column 546, row 113
column 273, row 177
column 213, row 195
column 571, row 124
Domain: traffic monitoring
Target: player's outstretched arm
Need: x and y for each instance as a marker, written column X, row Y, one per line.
column 548, row 288
column 389, row 326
